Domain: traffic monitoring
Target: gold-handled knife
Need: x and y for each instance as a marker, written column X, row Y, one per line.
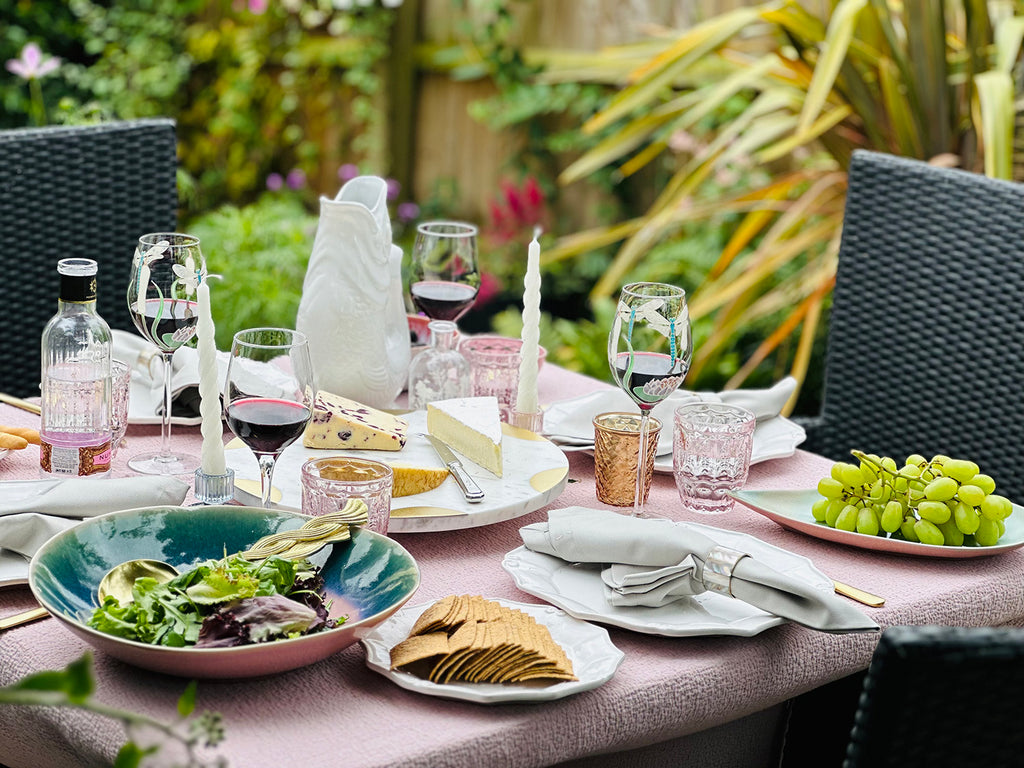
column 858, row 594
column 7, row 622
column 17, row 402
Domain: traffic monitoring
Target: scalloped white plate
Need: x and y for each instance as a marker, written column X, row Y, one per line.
column 594, row 658
column 569, row 422
column 13, row 569
column 577, row 589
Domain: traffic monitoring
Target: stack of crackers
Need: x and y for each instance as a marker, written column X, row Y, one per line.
column 471, row 639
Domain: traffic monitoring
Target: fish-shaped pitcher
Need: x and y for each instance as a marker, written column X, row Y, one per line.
column 352, row 308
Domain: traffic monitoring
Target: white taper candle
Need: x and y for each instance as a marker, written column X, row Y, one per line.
column 209, row 391
column 526, row 396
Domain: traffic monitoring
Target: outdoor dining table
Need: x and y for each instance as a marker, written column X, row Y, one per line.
column 709, row 701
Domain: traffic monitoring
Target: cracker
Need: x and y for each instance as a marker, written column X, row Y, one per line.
column 482, row 641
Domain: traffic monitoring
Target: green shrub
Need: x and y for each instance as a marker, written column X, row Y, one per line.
column 261, row 252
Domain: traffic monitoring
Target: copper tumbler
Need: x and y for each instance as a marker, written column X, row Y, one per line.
column 616, row 452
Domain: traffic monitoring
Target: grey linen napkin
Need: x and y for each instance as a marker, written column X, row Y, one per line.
column 651, row 562
column 33, row 511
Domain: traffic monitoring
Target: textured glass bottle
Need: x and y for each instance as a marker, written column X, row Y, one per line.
column 440, row 371
column 75, row 427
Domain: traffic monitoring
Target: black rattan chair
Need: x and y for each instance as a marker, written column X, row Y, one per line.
column 926, row 337
column 86, row 191
column 941, row 697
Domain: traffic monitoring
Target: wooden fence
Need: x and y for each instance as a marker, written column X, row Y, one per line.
column 433, row 138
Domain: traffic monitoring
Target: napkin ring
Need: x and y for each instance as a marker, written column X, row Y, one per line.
column 718, row 569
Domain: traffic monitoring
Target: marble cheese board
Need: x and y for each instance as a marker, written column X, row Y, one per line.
column 535, row 472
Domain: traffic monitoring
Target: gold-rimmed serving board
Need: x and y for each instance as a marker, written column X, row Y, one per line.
column 534, row 474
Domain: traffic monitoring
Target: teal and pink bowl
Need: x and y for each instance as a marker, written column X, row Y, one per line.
column 367, row 579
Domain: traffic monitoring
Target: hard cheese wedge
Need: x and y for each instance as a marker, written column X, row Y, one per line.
column 342, row 423
column 410, row 480
column 407, row 479
column 471, row 426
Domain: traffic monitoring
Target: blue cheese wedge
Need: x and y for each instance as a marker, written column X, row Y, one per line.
column 470, row 426
column 339, row 422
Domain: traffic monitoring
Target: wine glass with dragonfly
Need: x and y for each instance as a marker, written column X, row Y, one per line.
column 649, row 351
column 268, row 394
column 444, row 279
column 166, row 272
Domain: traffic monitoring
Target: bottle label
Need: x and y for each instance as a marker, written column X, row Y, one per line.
column 74, row 461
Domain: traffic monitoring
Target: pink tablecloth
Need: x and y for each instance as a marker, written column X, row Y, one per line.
column 338, row 712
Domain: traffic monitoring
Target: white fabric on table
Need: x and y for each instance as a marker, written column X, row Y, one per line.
column 653, row 562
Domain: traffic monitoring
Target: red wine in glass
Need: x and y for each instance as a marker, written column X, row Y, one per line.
column 267, row 425
column 440, row 300
column 178, row 319
column 653, row 372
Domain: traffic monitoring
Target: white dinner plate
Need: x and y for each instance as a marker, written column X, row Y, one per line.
column 570, row 424
column 13, row 568
column 792, row 509
column 534, row 473
column 143, row 402
column 594, row 658
column 577, row 589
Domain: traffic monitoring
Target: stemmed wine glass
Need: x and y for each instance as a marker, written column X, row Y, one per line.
column 444, row 280
column 649, row 351
column 166, row 272
column 268, row 395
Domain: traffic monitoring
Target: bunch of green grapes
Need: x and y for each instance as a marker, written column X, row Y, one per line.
column 942, row 501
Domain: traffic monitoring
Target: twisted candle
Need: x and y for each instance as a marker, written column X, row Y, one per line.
column 209, row 391
column 526, row 396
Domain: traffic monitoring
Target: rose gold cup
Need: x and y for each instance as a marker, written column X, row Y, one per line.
column 616, row 451
column 328, row 483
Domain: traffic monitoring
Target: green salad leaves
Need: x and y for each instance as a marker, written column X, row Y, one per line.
column 221, row 603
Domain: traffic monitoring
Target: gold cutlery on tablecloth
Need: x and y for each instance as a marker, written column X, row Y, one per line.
column 17, row 402
column 17, row 619
column 858, row 594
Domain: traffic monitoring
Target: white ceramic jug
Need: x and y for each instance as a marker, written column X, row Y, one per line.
column 352, row 308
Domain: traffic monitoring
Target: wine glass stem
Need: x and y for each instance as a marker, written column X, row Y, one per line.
column 267, row 462
column 641, row 464
column 165, row 418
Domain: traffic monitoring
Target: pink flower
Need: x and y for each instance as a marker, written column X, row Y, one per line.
column 407, row 212
column 394, row 187
column 296, row 178
column 490, row 287
column 32, row 64
column 534, row 197
column 258, row 7
column 516, row 209
column 348, row 171
column 274, row 182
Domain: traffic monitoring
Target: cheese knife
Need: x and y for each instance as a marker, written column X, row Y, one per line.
column 469, row 487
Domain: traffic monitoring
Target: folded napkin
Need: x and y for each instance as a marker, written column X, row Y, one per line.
column 651, row 563
column 33, row 511
column 572, row 419
column 147, row 393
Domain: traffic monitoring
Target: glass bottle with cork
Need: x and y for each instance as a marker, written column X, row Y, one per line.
column 75, row 427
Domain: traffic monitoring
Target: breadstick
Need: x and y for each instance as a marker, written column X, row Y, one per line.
column 32, row 435
column 8, row 440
